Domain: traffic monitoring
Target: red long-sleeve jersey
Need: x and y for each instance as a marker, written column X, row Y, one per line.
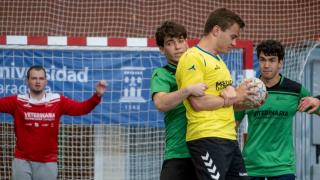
column 36, row 123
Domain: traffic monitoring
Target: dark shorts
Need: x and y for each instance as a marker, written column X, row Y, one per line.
column 178, row 169
column 282, row 177
column 217, row 159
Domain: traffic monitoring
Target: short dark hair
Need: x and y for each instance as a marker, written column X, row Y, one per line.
column 38, row 68
column 169, row 29
column 271, row 48
column 224, row 18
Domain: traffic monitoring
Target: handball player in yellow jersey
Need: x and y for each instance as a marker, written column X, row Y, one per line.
column 211, row 135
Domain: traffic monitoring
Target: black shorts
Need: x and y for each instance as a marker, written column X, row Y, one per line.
column 178, row 169
column 217, row 159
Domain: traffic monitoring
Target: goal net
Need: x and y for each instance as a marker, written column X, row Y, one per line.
column 123, row 137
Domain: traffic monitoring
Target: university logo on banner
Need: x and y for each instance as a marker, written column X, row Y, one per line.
column 132, row 79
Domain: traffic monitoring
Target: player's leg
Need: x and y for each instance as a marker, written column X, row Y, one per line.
column 283, row 177
column 237, row 170
column 21, row 170
column 47, row 171
column 178, row 169
column 211, row 157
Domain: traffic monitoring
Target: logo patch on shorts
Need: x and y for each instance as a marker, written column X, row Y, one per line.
column 243, row 174
column 212, row 169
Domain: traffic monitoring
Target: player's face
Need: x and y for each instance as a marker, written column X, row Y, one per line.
column 173, row 48
column 227, row 39
column 37, row 81
column 269, row 66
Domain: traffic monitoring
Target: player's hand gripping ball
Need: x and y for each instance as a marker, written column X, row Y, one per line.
column 259, row 89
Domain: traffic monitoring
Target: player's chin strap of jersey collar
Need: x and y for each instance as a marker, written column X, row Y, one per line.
column 170, row 69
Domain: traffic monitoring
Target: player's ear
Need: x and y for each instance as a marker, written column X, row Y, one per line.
column 215, row 30
column 280, row 63
column 161, row 50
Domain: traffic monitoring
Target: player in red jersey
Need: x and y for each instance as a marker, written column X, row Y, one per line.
column 36, row 124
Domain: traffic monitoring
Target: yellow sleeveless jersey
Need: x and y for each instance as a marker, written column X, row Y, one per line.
column 198, row 66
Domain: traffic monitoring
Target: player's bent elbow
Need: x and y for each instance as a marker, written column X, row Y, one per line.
column 160, row 103
column 196, row 109
column 161, row 107
column 196, row 106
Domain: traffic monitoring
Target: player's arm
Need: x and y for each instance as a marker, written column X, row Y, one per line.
column 101, row 87
column 207, row 102
column 309, row 104
column 76, row 108
column 229, row 96
column 166, row 101
column 8, row 104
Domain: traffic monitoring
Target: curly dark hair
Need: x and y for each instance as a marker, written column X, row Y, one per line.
column 169, row 29
column 271, row 48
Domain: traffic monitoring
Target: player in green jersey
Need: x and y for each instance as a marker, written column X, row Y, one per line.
column 171, row 40
column 269, row 151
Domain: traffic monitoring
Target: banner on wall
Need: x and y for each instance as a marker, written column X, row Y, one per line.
column 74, row 73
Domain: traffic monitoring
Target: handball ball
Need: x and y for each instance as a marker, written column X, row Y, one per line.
column 260, row 90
